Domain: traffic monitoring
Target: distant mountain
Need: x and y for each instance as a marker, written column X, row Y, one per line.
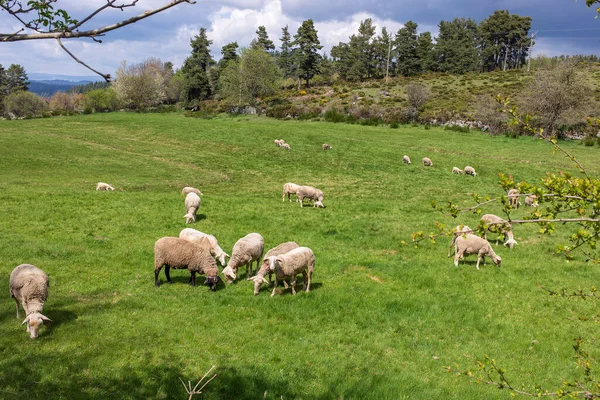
column 47, row 88
column 36, row 76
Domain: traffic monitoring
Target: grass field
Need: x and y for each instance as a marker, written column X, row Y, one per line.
column 381, row 319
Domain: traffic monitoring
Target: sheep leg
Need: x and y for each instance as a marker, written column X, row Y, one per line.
column 167, row 268
column 274, row 287
column 308, row 282
column 304, row 279
column 156, row 272
column 457, row 256
column 17, row 301
column 293, row 284
column 479, row 258
column 193, row 278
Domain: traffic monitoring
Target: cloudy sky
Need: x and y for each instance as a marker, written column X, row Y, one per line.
column 563, row 27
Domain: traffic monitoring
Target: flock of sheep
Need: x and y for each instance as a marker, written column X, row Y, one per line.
column 455, row 170
column 281, row 143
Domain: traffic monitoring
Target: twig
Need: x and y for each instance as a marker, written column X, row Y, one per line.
column 195, row 390
column 105, row 76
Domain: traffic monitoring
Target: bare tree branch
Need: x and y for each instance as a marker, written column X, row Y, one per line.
column 109, row 4
column 105, row 76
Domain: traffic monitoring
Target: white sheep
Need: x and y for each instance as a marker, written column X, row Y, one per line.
column 177, row 253
column 406, row 160
column 514, row 198
column 289, row 265
column 289, row 189
column 456, row 170
column 245, row 251
column 193, row 235
column 192, row 203
column 278, row 142
column 310, row 193
column 29, row 287
column 470, row 171
column 495, row 224
column 531, row 201
column 472, row 244
column 427, row 162
column 104, row 186
column 265, row 269
column 286, row 146
column 458, row 231
column 189, row 189
column 327, row 146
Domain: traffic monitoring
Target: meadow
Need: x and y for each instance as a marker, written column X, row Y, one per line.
column 381, row 320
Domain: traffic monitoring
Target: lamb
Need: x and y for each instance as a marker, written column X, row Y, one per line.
column 498, row 225
column 29, row 287
column 286, row 146
column 513, row 198
column 177, row 253
column 310, row 193
column 245, row 251
column 104, row 186
column 531, row 201
column 326, row 146
column 427, row 162
column 188, row 189
column 289, row 189
column 456, row 170
column 278, row 142
column 192, row 203
column 259, row 278
column 472, row 244
column 289, row 265
column 192, row 235
column 459, row 230
column 470, row 171
column 406, row 160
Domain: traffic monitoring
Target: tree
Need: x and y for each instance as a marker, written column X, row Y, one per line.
column 285, row 60
column 455, row 50
column 425, row 53
column 101, row 100
column 16, row 79
column 229, row 52
column 308, row 50
column 382, row 53
column 23, row 104
column 405, row 50
column 142, row 85
column 254, row 75
column 262, row 40
column 195, row 83
column 47, row 22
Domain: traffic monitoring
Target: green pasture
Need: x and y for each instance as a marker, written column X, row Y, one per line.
column 381, row 320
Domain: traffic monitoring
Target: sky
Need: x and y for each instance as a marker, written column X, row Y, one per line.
column 562, row 26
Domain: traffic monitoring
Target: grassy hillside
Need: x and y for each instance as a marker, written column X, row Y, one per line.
column 381, row 319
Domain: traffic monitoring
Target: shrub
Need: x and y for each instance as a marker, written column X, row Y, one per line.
column 23, row 104
column 102, row 100
column 394, row 125
column 334, row 116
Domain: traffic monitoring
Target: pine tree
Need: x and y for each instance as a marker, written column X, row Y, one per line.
column 405, row 50
column 285, row 60
column 381, row 46
column 425, row 52
column 196, row 85
column 262, row 40
column 308, row 50
column 503, row 40
column 229, row 52
column 455, row 49
column 16, row 79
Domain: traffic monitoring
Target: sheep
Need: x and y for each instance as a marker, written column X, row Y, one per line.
column 456, row 170
column 192, row 203
column 278, row 142
column 458, row 231
column 327, row 146
column 245, row 251
column 498, row 225
column 289, row 189
column 406, row 160
column 513, row 198
column 470, row 171
column 188, row 189
column 286, row 146
column 292, row 263
column 427, row 162
column 311, row 193
column 264, row 269
column 192, row 235
column 177, row 253
column 472, row 244
column 29, row 287
column 531, row 201
column 104, row 186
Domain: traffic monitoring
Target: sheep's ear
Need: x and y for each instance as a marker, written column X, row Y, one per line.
column 265, row 281
column 46, row 318
column 25, row 321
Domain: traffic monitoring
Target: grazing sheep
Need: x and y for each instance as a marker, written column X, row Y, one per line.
column 495, row 224
column 427, row 162
column 310, row 193
column 192, row 203
column 29, row 287
column 470, row 171
column 179, row 253
column 245, row 251
column 456, row 170
column 459, row 230
column 289, row 265
column 531, row 201
column 192, row 235
column 406, row 160
column 264, row 269
column 104, row 186
column 289, row 189
column 472, row 244
column 278, row 142
column 286, row 146
column 326, row 146
column 514, row 198
column 188, row 189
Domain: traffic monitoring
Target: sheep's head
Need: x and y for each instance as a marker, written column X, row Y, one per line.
column 510, row 243
column 319, row 204
column 271, row 261
column 221, row 258
column 34, row 321
column 212, row 281
column 497, row 260
column 258, row 281
column 189, row 218
column 229, row 274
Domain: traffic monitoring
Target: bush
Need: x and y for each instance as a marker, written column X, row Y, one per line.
column 394, row 125
column 102, row 100
column 334, row 116
column 23, row 104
